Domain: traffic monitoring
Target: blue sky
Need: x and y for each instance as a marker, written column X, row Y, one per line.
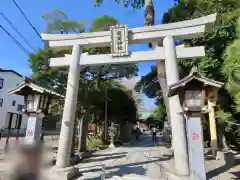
column 12, row 56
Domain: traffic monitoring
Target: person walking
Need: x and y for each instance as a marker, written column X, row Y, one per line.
column 154, row 133
column 138, row 132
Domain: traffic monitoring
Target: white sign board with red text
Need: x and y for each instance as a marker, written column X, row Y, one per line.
column 196, row 148
column 33, row 132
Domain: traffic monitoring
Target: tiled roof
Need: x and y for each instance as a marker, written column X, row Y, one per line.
column 194, row 74
column 28, row 83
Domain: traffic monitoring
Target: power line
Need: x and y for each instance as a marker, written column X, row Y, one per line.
column 27, row 19
column 15, row 40
column 16, row 30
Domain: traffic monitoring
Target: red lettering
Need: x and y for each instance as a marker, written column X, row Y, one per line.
column 195, row 136
column 30, row 133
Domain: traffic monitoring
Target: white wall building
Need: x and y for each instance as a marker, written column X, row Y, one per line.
column 11, row 115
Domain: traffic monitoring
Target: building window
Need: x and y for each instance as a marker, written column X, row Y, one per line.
column 20, row 107
column 13, row 121
column 8, row 120
column 1, row 83
column 13, row 103
column 1, row 102
column 19, row 121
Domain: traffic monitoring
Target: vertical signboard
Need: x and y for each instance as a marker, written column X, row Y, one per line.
column 33, row 131
column 196, row 151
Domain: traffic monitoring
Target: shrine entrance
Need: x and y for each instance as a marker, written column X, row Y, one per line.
column 118, row 39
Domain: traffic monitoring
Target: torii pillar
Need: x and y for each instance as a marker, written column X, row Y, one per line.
column 65, row 141
column 179, row 139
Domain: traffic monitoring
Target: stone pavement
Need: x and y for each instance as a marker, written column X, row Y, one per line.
column 218, row 171
column 137, row 160
column 141, row 158
column 146, row 159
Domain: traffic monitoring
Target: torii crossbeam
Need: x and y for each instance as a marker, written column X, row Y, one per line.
column 134, row 57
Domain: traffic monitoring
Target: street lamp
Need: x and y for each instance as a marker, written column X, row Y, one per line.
column 37, row 100
column 193, row 90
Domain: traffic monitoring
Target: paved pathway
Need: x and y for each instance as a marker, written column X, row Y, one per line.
column 146, row 159
column 142, row 159
column 138, row 158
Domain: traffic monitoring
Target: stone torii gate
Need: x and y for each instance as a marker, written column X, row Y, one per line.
column 118, row 38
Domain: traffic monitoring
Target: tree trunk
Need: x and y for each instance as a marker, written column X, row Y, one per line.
column 83, row 132
column 95, row 124
column 222, row 139
column 163, row 84
column 224, row 142
column 149, row 21
column 149, row 13
column 74, row 138
column 106, row 118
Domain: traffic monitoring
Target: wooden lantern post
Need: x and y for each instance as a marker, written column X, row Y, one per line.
column 211, row 102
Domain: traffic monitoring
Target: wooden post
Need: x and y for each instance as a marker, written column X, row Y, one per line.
column 212, row 97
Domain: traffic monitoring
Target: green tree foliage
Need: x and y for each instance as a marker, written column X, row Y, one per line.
column 216, row 38
column 148, row 84
column 122, row 107
column 52, row 78
column 92, row 94
column 128, row 3
column 220, row 61
column 57, row 22
column 158, row 116
column 216, row 64
column 231, row 69
column 103, row 23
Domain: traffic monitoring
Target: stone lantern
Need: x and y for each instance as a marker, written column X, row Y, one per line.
column 37, row 100
column 193, row 91
column 112, row 133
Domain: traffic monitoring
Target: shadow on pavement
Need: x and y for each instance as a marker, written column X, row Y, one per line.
column 224, row 168
column 109, row 154
column 129, row 165
column 237, row 174
column 127, row 170
column 146, row 138
column 103, row 159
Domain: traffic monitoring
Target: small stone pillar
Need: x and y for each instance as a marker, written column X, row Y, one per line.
column 196, row 149
column 112, row 134
column 34, row 128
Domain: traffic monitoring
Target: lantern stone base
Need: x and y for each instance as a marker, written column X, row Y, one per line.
column 226, row 157
column 63, row 173
column 112, row 146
